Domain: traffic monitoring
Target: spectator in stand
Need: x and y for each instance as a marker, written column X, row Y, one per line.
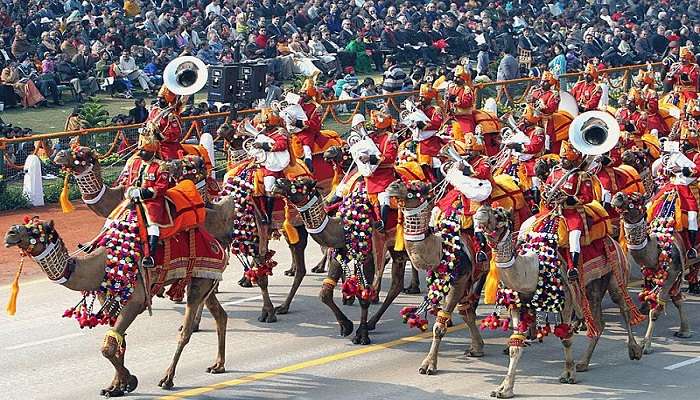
column 394, row 76
column 207, row 55
column 139, row 113
column 127, row 68
column 24, row 87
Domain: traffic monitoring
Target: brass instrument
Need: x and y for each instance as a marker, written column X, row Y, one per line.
column 185, row 76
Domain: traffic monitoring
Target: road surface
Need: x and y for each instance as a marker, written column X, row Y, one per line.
column 44, row 356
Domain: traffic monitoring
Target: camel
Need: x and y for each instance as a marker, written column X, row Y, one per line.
column 88, row 273
column 424, row 249
column 520, row 273
column 328, row 232
column 644, row 249
column 82, row 163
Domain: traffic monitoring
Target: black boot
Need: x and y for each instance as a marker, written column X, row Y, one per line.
column 269, row 208
column 692, row 237
column 572, row 274
column 309, row 164
column 536, row 198
column 481, row 254
column 150, row 262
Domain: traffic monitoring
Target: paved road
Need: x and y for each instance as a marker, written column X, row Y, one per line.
column 43, row 356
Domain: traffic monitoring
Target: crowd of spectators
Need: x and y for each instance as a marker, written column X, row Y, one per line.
column 119, row 46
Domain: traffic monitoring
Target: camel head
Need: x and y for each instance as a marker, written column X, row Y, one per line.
column 230, row 134
column 31, row 237
column 298, row 191
column 338, row 155
column 188, row 167
column 76, row 160
column 636, row 159
column 495, row 223
column 411, row 194
column 630, row 206
column 543, row 166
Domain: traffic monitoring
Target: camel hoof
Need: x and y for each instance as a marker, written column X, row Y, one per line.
column 318, row 269
column 412, row 290
column 283, row 309
column 132, row 383
column 474, row 353
column 635, row 351
column 683, row 335
column 166, row 383
column 506, row 351
column 113, row 393
column 346, row 327
column 647, row 348
column 429, row 370
column 581, row 367
column 245, row 282
column 216, row 369
column 362, row 336
column 502, row 394
column 289, row 272
column 567, row 377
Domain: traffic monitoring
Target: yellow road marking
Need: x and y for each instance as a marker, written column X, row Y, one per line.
column 302, row 365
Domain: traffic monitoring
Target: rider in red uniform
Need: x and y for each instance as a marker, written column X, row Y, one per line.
column 543, row 102
column 146, row 180
column 168, row 123
column 683, row 75
column 427, row 142
column 310, row 132
column 575, row 192
column 384, row 174
column 461, row 99
column 645, row 86
column 588, row 92
column 271, row 126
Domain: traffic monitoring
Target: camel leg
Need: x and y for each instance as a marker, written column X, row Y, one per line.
column 362, row 333
column 321, row 266
column 515, row 351
column 326, row 296
column 123, row 381
column 664, row 295
column 634, row 349
column 414, row 287
column 429, row 365
column 299, row 260
column 221, row 318
column 684, row 331
column 198, row 290
column 595, row 292
column 569, row 373
column 303, row 236
column 476, row 349
column 398, row 268
column 268, row 310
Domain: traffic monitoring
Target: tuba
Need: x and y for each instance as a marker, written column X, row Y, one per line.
column 593, row 133
column 185, row 76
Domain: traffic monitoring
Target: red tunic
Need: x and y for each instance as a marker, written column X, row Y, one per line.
column 462, row 106
column 587, row 95
column 435, row 117
column 430, row 147
column 482, row 168
column 149, row 175
column 650, row 104
column 639, row 121
column 685, row 195
column 312, row 128
column 578, row 185
column 170, row 130
column 534, row 148
column 384, row 174
column 685, row 81
column 546, row 102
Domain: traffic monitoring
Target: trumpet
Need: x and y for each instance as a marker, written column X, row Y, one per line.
column 507, row 133
column 448, row 151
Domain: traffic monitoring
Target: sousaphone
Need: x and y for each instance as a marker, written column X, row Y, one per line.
column 594, row 133
column 185, row 76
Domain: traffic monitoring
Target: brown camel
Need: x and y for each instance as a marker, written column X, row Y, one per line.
column 644, row 249
column 88, row 273
column 328, row 232
column 424, row 249
column 521, row 274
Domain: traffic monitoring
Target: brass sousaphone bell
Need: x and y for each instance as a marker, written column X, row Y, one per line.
column 185, row 76
column 594, row 133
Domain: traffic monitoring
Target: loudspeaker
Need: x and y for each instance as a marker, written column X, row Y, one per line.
column 238, row 83
column 222, row 83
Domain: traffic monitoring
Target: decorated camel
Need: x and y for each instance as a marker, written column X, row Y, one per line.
column 660, row 251
column 121, row 288
column 534, row 280
column 331, row 232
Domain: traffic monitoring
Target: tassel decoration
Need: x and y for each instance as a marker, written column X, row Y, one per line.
column 64, row 199
column 12, row 303
column 491, row 285
column 289, row 229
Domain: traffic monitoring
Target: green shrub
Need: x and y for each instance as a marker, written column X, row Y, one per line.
column 12, row 198
column 53, row 188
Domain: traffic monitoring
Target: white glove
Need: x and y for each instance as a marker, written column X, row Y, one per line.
column 133, row 194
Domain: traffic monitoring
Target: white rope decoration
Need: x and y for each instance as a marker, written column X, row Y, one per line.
column 416, row 222
column 636, row 235
column 89, row 182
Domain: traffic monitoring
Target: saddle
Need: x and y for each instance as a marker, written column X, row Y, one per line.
column 327, row 139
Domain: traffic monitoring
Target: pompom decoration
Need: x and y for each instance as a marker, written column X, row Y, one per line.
column 356, row 215
column 123, row 247
column 440, row 277
column 662, row 227
column 245, row 242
